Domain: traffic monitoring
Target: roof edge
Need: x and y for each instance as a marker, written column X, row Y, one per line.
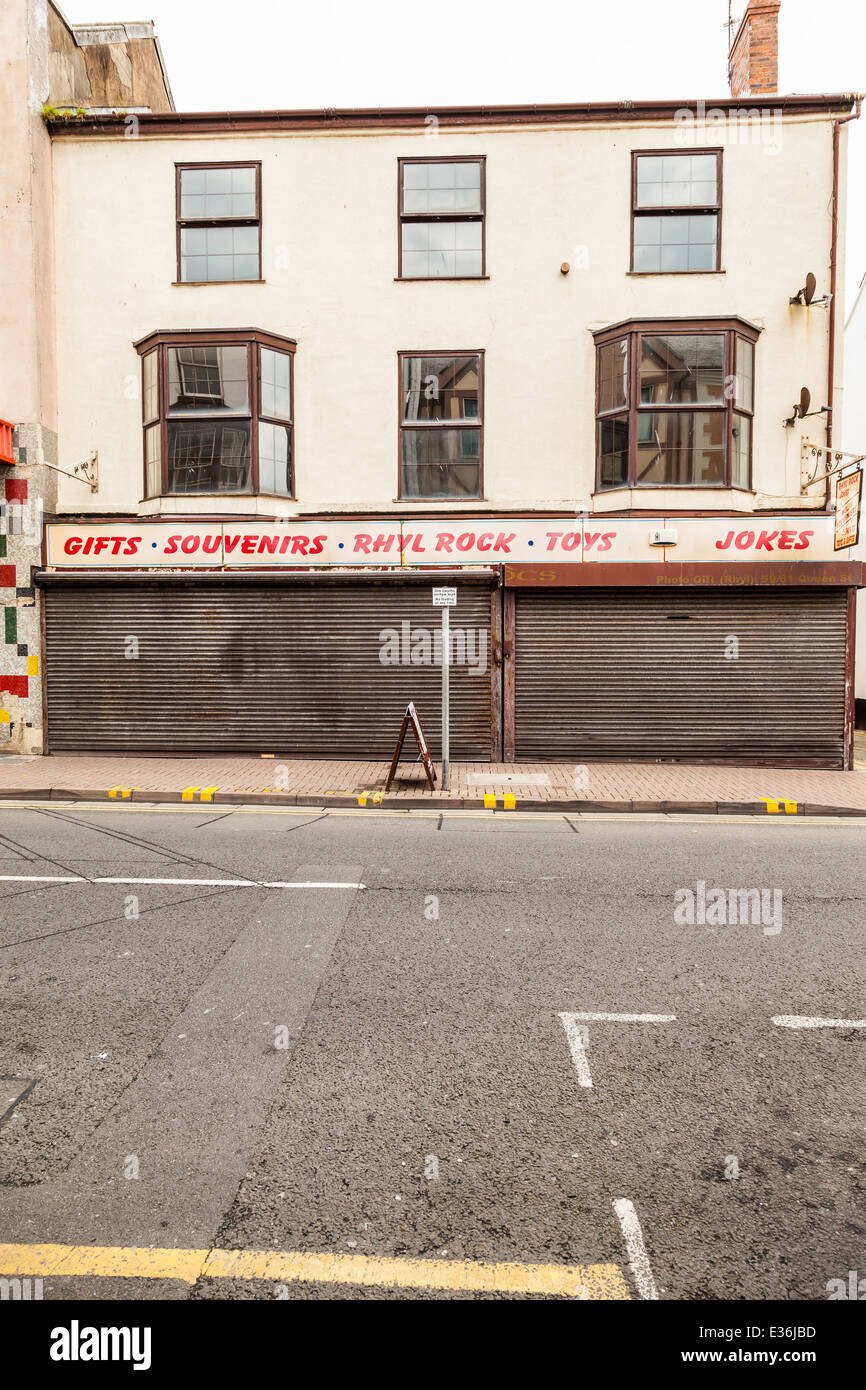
column 361, row 118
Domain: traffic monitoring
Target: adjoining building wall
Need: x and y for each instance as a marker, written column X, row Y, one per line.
column 43, row 63
column 106, row 65
column 27, row 362
column 854, row 442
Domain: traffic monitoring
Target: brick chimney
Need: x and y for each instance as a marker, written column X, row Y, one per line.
column 753, row 64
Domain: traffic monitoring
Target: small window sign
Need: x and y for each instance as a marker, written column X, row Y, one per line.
column 444, row 598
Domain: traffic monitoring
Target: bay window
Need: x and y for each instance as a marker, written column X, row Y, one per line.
column 217, row 413
column 675, row 400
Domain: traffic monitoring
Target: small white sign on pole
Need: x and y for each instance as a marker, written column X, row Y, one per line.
column 444, row 598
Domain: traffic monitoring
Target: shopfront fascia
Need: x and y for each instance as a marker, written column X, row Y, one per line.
column 704, row 639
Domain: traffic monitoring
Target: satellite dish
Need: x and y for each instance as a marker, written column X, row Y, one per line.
column 811, row 284
column 805, row 401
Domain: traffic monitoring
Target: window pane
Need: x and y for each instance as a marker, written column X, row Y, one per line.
column 152, row 460
column 678, row 368
column 445, row 187
column 415, row 265
column 675, row 243
column 647, row 258
column 613, row 452
column 442, row 236
column 440, row 388
column 275, row 459
column 245, row 241
column 613, row 375
column 686, row 448
column 276, row 384
column 218, row 193
column 149, row 387
column 207, row 378
column 742, row 439
column 434, row 249
column 219, row 253
column 702, row 258
column 745, row 375
column 676, row 180
column 702, row 230
column 441, row 463
column 208, row 456
column 467, row 263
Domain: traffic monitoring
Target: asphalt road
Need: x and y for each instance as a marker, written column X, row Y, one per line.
column 385, row 1070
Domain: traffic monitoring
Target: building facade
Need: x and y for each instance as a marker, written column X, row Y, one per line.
column 555, row 354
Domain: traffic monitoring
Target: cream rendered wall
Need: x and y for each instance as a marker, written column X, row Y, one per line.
column 330, row 260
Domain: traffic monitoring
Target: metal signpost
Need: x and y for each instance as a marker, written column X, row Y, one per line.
column 446, row 599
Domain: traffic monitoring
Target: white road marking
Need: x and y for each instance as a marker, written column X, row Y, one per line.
column 575, row 1034
column 174, row 882
column 623, row 1018
column 635, row 1248
column 578, row 1051
column 38, row 878
column 796, row 1021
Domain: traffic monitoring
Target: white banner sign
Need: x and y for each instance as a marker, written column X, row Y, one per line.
column 451, row 542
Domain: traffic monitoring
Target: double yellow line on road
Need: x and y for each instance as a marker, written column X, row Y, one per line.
column 596, row 1281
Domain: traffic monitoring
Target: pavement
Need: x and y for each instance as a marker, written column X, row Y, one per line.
column 257, row 1053
column 622, row 787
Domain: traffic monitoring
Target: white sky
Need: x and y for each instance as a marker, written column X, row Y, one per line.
column 267, row 54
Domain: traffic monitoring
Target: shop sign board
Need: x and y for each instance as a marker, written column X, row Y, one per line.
column 449, row 542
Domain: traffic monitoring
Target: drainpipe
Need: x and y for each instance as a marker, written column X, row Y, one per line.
column 834, row 238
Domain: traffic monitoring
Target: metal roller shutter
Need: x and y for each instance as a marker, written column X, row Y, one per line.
column 289, row 668
column 635, row 673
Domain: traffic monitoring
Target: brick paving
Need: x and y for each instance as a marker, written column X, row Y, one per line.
column 533, row 783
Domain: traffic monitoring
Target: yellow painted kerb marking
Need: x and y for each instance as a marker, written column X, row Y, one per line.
column 188, row 793
column 489, row 801
column 508, row 801
column 207, row 793
column 774, row 807
column 597, row 1281
column 123, row 792
column 362, row 800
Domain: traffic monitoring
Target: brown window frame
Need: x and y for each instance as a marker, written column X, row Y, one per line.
column 218, row 221
column 686, row 211
column 427, row 424
column 253, row 339
column 634, row 330
column 403, row 217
